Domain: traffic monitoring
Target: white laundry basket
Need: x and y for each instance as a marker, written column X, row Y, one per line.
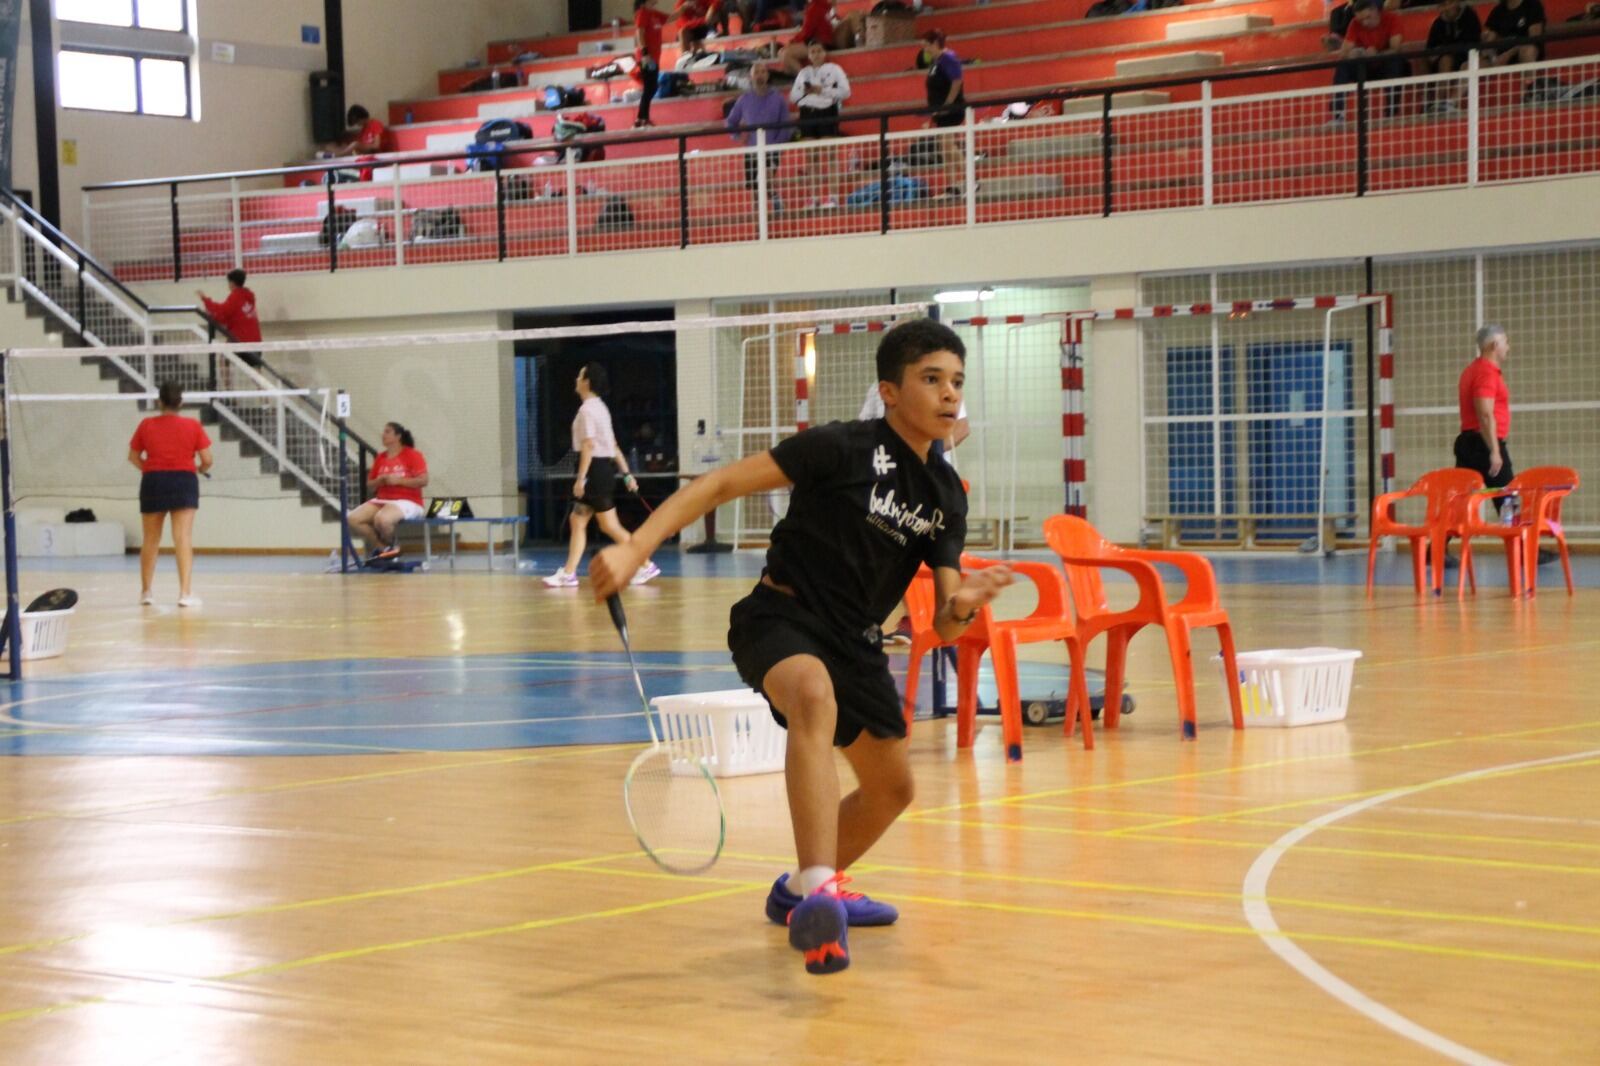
column 1294, row 686
column 731, row 733
column 44, row 633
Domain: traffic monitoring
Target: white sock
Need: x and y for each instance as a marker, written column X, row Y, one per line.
column 813, row 878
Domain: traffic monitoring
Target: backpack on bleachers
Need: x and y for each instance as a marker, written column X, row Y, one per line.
column 558, row 96
column 437, row 224
column 615, row 214
column 615, row 69
column 672, row 83
column 576, row 123
column 1106, row 8
column 485, row 156
column 335, row 225
column 503, row 129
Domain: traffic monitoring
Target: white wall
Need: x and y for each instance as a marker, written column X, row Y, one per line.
column 255, row 111
column 458, row 400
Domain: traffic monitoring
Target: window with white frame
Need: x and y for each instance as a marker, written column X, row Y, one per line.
column 127, row 56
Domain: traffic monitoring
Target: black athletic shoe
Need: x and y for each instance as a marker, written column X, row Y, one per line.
column 391, row 552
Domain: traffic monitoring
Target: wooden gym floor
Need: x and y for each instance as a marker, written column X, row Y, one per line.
column 377, row 819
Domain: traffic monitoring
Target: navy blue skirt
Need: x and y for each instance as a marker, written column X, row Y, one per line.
column 168, row 490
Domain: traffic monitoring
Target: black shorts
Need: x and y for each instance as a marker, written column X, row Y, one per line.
column 168, row 490
column 600, row 487
column 768, row 626
column 956, row 116
column 1473, row 454
column 818, row 122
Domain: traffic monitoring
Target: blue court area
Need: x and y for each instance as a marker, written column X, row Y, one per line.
column 478, row 702
column 374, row 706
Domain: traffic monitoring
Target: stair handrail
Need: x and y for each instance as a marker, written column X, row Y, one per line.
column 76, row 262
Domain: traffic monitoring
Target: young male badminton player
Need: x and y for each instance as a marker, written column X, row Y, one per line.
column 869, row 505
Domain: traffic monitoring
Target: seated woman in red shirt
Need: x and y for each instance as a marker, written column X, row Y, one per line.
column 164, row 449
column 398, row 477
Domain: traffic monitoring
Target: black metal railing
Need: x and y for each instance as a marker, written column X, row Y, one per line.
column 867, row 121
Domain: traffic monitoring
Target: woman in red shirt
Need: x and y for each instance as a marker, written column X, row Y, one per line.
column 164, row 448
column 396, row 482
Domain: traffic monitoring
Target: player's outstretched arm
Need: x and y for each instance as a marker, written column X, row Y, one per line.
column 610, row 570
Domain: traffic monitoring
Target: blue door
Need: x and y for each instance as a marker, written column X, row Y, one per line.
column 1192, row 459
column 1285, row 453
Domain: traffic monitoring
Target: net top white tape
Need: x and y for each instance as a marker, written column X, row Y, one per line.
column 188, row 397
column 421, row 340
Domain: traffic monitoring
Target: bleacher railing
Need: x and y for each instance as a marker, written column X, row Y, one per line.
column 1099, row 154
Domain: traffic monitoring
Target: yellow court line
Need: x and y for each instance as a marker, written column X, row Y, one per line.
column 476, row 934
column 290, row 786
column 1426, row 786
column 328, row 901
column 1403, row 856
column 1231, row 897
column 1244, row 930
column 54, row 1008
column 1423, row 834
column 1111, row 786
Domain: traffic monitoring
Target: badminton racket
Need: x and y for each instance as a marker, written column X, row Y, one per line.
column 673, row 803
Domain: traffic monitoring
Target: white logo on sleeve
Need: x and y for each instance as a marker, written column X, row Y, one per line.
column 881, row 463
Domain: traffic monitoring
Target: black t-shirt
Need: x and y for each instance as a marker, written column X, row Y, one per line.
column 1507, row 23
column 864, row 513
column 1464, row 30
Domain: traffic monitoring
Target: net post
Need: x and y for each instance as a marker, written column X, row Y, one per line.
column 11, row 638
column 1072, row 416
column 347, row 553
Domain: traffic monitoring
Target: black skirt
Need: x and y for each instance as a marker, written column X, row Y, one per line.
column 169, row 490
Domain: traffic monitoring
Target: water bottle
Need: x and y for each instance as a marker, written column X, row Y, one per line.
column 408, row 116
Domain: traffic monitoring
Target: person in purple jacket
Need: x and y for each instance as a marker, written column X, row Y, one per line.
column 758, row 107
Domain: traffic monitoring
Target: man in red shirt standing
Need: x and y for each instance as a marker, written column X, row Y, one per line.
column 1371, row 44
column 1486, row 412
column 647, row 23
column 237, row 316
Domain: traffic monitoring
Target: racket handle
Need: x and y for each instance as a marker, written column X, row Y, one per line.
column 618, row 619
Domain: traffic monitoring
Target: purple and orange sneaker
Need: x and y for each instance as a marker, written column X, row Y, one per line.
column 818, row 927
column 862, row 909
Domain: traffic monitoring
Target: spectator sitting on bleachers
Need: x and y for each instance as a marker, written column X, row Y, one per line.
column 1515, row 18
column 368, row 138
column 1371, row 50
column 1457, row 26
column 760, row 106
column 695, row 23
column 819, row 24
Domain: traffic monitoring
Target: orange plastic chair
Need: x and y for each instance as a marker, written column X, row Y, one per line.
column 1543, row 488
column 1469, row 522
column 1440, row 487
column 1084, row 552
column 921, row 606
column 1050, row 620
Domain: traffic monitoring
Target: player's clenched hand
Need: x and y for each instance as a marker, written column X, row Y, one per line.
column 610, row 570
column 980, row 587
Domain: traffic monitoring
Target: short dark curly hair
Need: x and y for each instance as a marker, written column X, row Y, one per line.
column 910, row 341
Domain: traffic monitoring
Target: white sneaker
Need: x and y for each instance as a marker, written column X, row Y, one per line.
column 645, row 573
column 146, row 599
column 188, row 601
column 561, row 580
